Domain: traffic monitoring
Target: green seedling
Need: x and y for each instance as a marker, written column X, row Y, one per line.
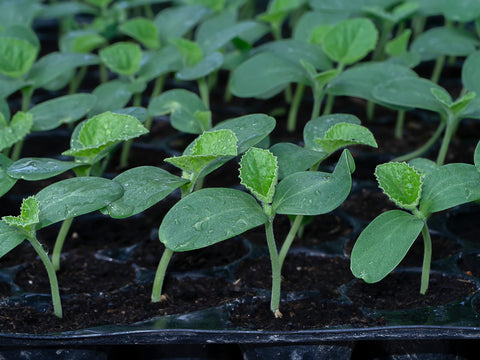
column 424, row 94
column 361, row 79
column 419, row 193
column 207, row 153
column 59, row 201
column 305, row 63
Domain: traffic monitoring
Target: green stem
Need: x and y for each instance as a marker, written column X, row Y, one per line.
column 52, row 276
column 425, row 147
column 317, row 104
column 289, row 239
column 329, row 104
column 204, row 91
column 160, row 275
column 77, row 80
column 157, row 89
column 447, row 136
column 61, row 236
column 418, row 24
column 379, row 52
column 27, row 93
column 370, row 110
column 399, row 124
column 427, row 258
column 127, row 145
column 103, row 73
column 295, row 105
column 437, row 70
column 276, row 269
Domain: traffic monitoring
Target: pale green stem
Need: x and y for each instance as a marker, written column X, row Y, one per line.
column 427, row 258
column 160, row 275
column 425, row 147
column 370, row 110
column 103, row 73
column 399, row 124
column 447, row 136
column 157, row 89
column 379, row 52
column 437, row 70
column 418, row 24
column 204, row 91
column 77, row 80
column 295, row 105
column 52, row 276
column 26, row 99
column 317, row 104
column 61, row 236
column 329, row 104
column 127, row 145
column 289, row 239
column 276, row 269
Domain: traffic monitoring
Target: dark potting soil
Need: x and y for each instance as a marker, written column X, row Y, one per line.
column 121, row 307
column 470, row 264
column 309, row 313
column 367, row 204
column 300, row 273
column 80, row 272
column 398, row 291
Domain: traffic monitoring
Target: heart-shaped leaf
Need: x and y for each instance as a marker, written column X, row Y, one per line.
column 123, row 57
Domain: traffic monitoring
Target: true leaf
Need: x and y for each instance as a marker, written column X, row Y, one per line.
column 471, row 72
column 33, row 169
column 75, row 196
column 208, row 216
column 448, row 186
column 66, row 109
column 143, row 186
column 401, row 183
column 210, row 147
column 16, row 56
column 182, row 105
column 28, row 217
column 344, row 134
column 259, row 173
column 249, row 129
column 398, row 46
column 190, row 52
column 123, row 57
column 81, row 41
column 159, row 62
column 103, row 130
column 350, row 40
column 317, row 128
column 142, row 30
column 19, row 127
column 314, row 192
column 11, row 238
column 383, row 244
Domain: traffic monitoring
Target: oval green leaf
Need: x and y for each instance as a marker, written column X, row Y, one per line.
column 143, row 30
column 76, row 196
column 448, row 186
column 66, row 109
column 209, row 216
column 33, row 169
column 314, row 192
column 123, row 57
column 383, row 244
column 293, row 158
column 11, row 238
column 143, row 186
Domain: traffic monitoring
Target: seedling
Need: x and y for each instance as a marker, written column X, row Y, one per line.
column 57, row 202
column 424, row 94
column 207, row 153
column 419, row 193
